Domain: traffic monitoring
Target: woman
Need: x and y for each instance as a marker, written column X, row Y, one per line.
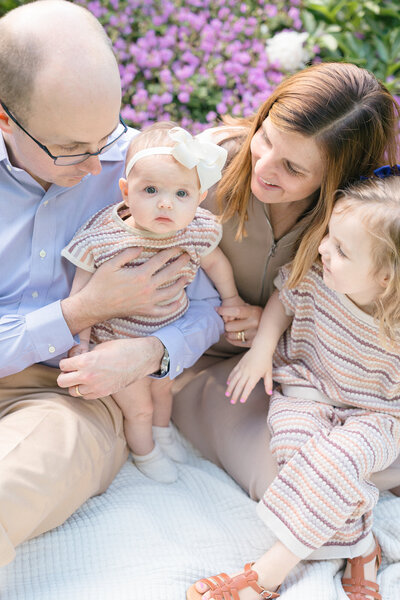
column 321, row 129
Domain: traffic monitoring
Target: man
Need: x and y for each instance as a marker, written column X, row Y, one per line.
column 62, row 149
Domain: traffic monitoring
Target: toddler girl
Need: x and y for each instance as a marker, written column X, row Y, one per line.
column 168, row 173
column 335, row 407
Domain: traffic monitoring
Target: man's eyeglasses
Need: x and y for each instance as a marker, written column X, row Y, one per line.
column 71, row 159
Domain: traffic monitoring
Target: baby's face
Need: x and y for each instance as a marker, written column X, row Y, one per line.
column 162, row 194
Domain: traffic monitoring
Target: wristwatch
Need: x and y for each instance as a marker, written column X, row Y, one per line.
column 164, row 367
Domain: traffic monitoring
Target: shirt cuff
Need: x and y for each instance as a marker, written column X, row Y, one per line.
column 49, row 332
column 174, row 341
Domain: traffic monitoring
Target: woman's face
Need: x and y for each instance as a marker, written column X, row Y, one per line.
column 286, row 166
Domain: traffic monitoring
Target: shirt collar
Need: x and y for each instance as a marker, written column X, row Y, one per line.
column 3, row 149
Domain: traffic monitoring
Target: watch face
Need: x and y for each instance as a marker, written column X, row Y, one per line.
column 165, row 363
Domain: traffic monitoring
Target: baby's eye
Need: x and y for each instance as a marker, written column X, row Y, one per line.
column 181, row 193
column 150, row 189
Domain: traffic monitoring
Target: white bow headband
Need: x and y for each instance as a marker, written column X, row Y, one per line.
column 207, row 157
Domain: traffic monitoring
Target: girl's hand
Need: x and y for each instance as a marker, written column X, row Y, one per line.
column 243, row 378
column 238, row 319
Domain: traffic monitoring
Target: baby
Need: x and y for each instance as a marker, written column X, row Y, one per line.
column 168, row 173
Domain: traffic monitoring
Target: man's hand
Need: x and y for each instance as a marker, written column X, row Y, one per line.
column 111, row 366
column 117, row 291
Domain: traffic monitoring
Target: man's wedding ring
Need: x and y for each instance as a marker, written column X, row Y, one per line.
column 240, row 336
column 77, row 392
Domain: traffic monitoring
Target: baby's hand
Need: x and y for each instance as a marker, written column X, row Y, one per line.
column 81, row 348
column 244, row 377
column 232, row 301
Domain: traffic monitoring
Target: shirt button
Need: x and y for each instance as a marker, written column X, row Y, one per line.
column 177, row 369
column 52, row 349
column 35, row 294
column 45, row 203
column 42, row 253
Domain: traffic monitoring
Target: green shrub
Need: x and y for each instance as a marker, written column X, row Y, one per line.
column 364, row 32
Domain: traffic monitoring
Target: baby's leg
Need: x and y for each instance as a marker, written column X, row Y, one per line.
column 161, row 393
column 136, row 404
column 137, row 407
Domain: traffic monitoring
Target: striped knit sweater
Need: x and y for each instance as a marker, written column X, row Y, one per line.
column 106, row 234
column 332, row 351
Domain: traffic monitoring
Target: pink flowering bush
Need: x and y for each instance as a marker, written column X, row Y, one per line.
column 192, row 61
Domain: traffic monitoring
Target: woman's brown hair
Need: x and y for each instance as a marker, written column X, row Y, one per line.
column 353, row 119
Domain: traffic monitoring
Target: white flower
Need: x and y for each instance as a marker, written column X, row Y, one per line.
column 286, row 48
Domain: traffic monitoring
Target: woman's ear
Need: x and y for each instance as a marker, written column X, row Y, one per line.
column 203, row 196
column 123, row 186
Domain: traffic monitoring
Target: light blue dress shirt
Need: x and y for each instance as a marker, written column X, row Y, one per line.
column 34, row 227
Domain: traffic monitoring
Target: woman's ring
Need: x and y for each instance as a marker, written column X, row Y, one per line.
column 77, row 392
column 240, row 336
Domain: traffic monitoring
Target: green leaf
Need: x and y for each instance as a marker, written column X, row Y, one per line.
column 382, row 50
column 328, row 41
column 321, row 11
column 309, row 21
column 393, row 68
column 373, row 7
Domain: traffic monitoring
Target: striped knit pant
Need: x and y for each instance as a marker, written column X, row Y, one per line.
column 322, row 495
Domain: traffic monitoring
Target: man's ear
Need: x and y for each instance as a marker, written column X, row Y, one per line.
column 123, row 186
column 203, row 197
column 5, row 121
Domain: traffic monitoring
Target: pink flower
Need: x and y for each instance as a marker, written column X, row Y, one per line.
column 183, row 97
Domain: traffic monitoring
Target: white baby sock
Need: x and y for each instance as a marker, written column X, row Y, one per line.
column 156, row 465
column 165, row 438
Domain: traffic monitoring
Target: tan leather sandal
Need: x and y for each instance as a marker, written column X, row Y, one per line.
column 357, row 587
column 224, row 587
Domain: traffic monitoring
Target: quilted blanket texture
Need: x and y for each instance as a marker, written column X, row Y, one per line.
column 143, row 540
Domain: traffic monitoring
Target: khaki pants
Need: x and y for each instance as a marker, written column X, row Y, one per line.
column 56, row 451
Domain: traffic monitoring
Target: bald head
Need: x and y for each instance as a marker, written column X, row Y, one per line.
column 54, row 56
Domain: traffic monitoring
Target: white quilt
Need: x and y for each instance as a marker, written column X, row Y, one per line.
column 142, row 540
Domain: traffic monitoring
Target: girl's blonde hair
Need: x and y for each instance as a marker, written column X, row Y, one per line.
column 377, row 201
column 353, row 119
column 150, row 137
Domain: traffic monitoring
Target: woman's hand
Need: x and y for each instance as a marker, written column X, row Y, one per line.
column 241, row 323
column 246, row 374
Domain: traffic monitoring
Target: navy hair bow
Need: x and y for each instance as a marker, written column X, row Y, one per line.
column 387, row 171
